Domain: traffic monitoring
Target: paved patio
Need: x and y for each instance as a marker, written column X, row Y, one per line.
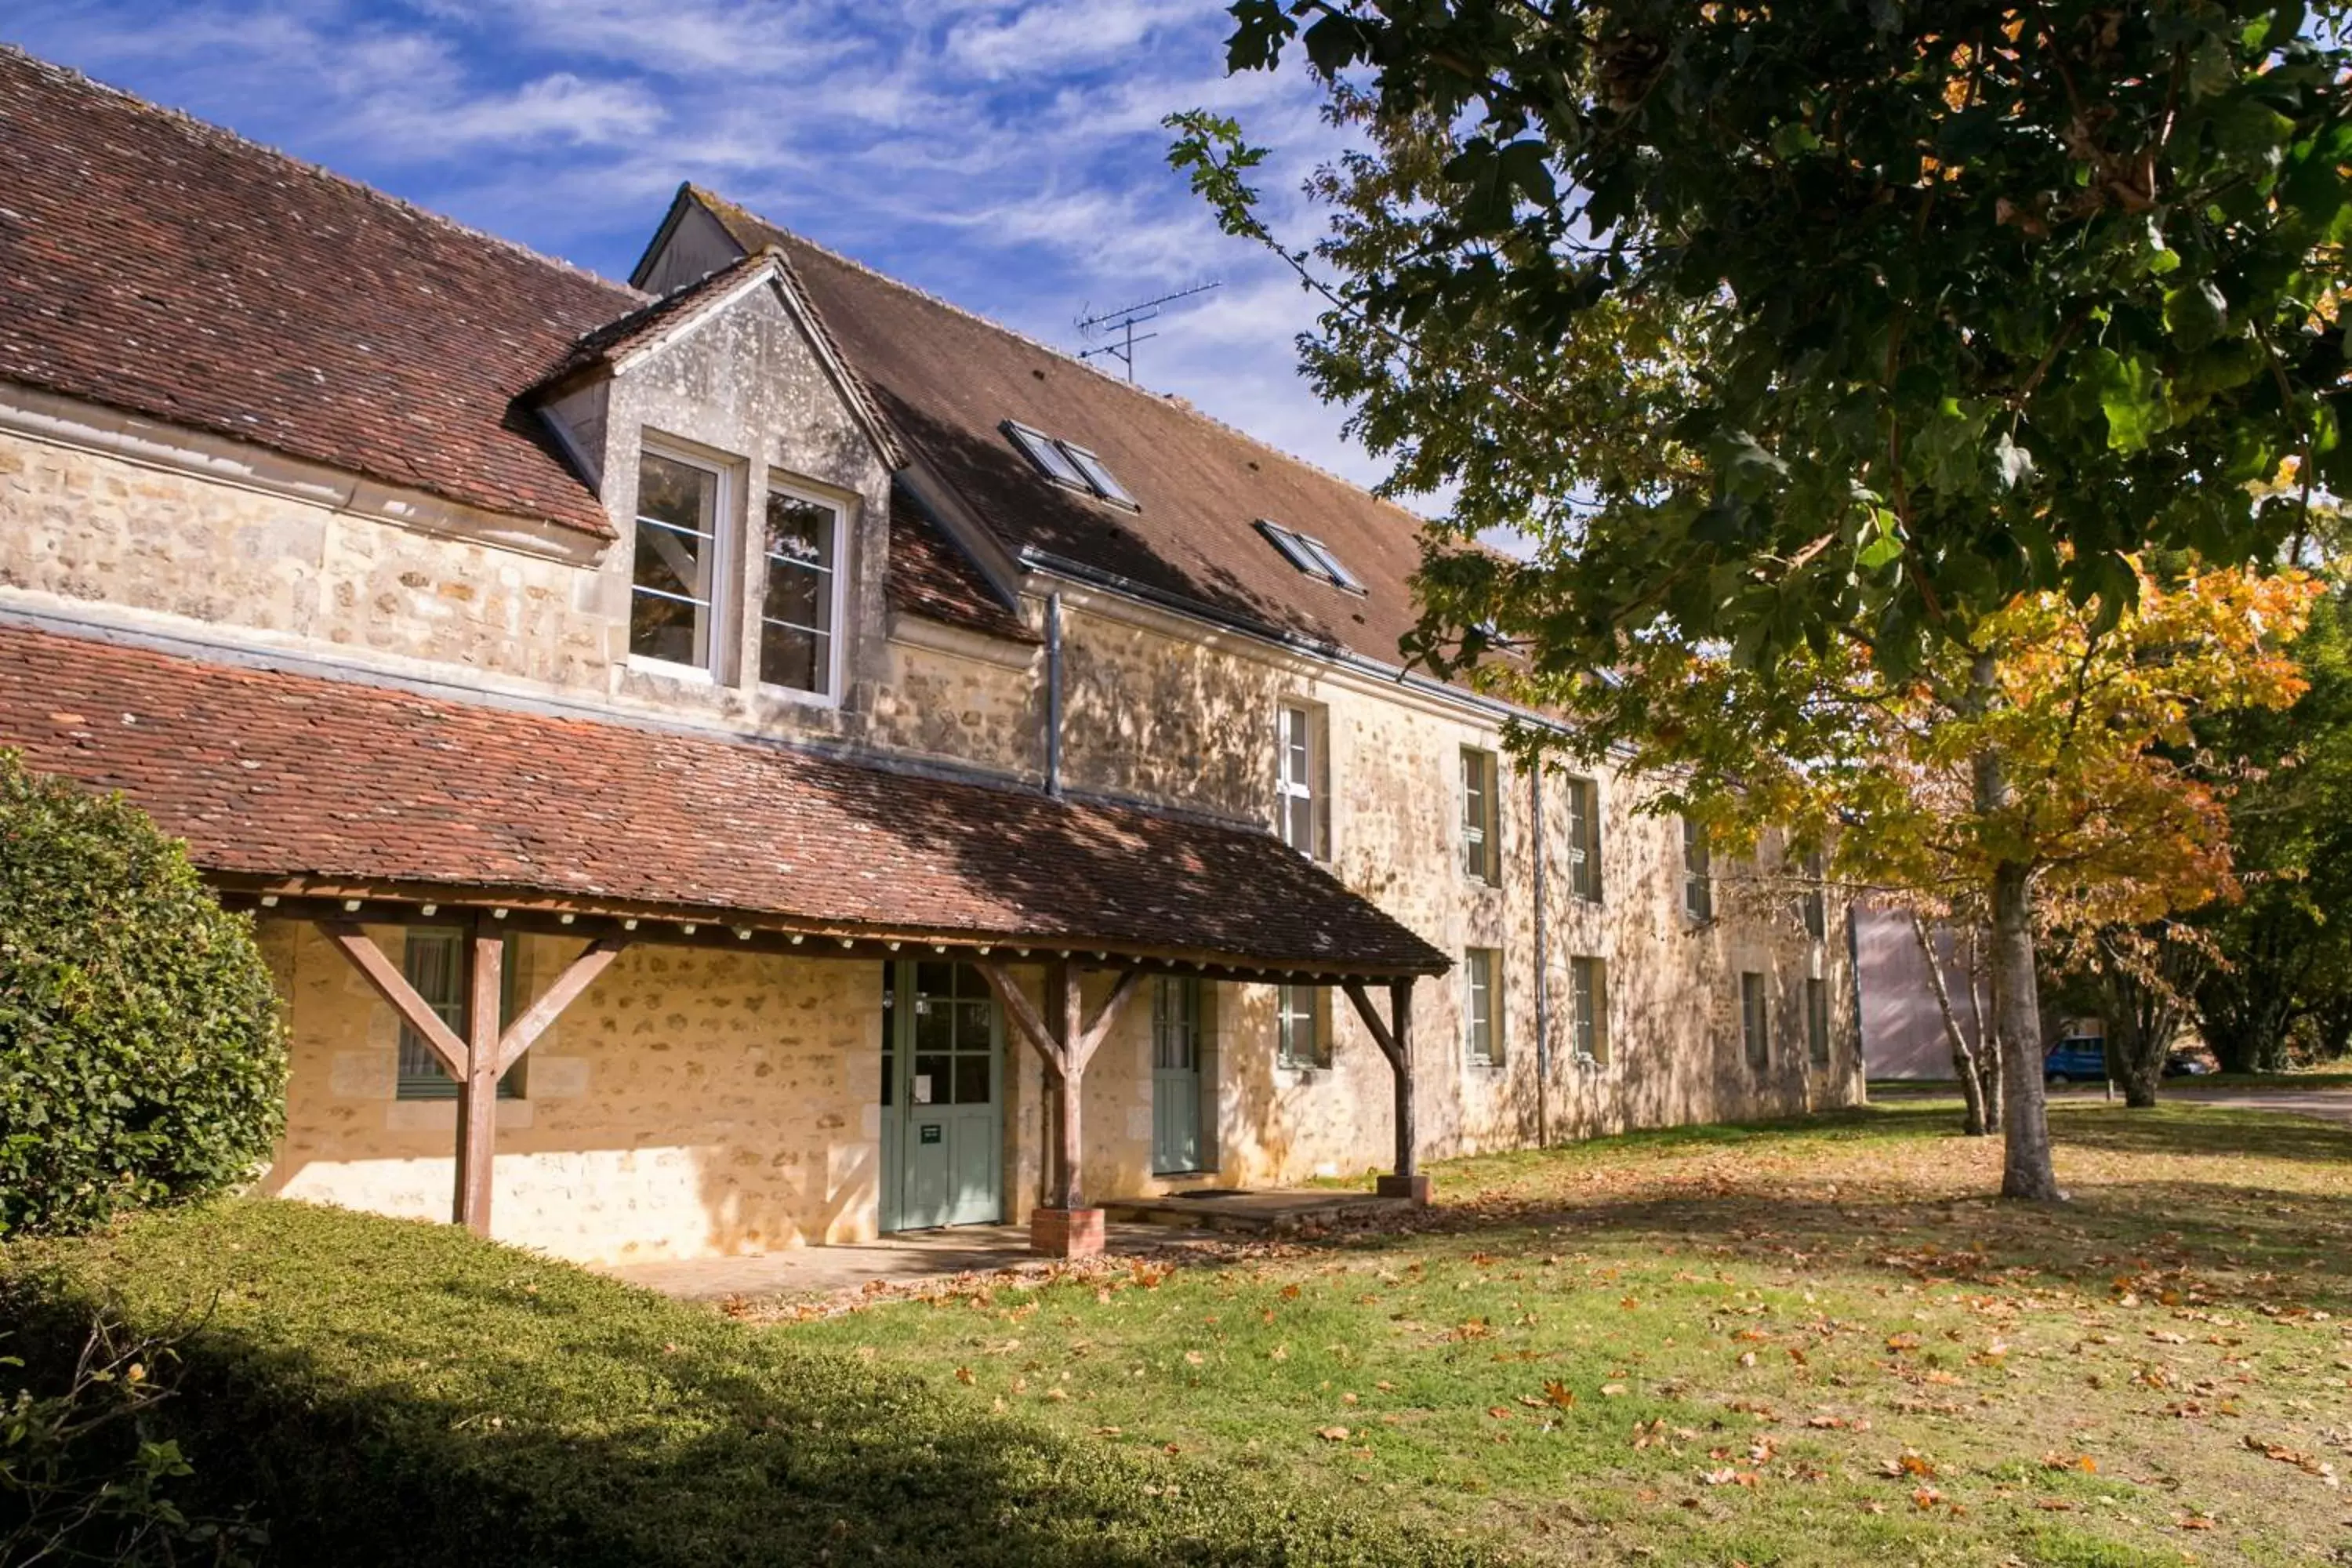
column 909, row 1257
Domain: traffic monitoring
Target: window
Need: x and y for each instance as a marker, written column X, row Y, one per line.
column 1482, row 1011
column 1047, row 454
column 1482, row 838
column 673, row 606
column 1303, row 783
column 1309, row 554
column 1754, row 1025
column 1698, row 887
column 1176, row 1024
column 1588, row 988
column 1071, row 465
column 1584, row 840
column 1817, row 1021
column 1301, row 1040
column 1098, row 477
column 1816, row 913
column 796, row 605
column 439, row 969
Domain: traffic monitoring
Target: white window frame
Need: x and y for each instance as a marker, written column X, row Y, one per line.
column 1482, row 982
column 1287, row 1000
column 1588, row 986
column 717, row 666
column 1315, row 789
column 1584, row 882
column 756, row 610
column 1046, row 454
column 1482, row 816
column 1099, row 476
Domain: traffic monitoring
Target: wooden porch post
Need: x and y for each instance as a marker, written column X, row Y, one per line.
column 478, row 1062
column 1394, row 1035
column 1066, row 1042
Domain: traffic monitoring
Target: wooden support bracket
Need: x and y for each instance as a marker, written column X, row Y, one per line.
column 389, row 982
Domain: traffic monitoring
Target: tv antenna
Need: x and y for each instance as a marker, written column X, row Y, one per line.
column 1121, row 323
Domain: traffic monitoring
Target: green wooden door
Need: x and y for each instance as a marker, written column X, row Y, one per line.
column 1176, row 1076
column 943, row 1106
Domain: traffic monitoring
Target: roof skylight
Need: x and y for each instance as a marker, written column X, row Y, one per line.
column 1309, row 554
column 1070, row 465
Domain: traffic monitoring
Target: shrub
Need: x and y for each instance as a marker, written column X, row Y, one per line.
column 141, row 1056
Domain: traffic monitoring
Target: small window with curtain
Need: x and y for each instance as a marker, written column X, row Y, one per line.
column 1755, row 1021
column 1698, row 880
column 1482, row 978
column 798, row 598
column 1303, row 782
column 1302, row 1037
column 1482, row 849
column 674, row 605
column 1588, row 987
column 1584, row 840
column 439, row 968
column 1817, row 1021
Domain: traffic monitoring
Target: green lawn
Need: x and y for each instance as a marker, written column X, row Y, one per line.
column 1812, row 1343
column 1807, row 1343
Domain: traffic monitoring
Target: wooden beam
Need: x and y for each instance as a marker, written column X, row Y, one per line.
column 1022, row 1015
column 1129, row 983
column 580, row 975
column 1063, row 1016
column 1373, row 1022
column 477, row 1086
column 1394, row 1035
column 389, row 982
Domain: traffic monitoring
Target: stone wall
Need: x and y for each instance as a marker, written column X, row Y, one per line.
column 691, row 1102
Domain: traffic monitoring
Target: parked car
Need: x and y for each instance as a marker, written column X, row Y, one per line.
column 2193, row 1062
column 2077, row 1059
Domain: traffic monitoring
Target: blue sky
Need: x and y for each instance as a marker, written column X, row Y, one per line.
column 1008, row 157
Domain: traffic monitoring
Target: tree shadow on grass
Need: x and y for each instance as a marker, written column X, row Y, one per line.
column 383, row 1393
column 2209, row 1241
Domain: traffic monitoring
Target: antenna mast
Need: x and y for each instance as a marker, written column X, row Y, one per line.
column 1121, row 323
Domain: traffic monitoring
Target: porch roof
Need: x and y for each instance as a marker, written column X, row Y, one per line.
column 304, row 786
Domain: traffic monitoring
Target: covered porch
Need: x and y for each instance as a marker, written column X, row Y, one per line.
column 767, row 899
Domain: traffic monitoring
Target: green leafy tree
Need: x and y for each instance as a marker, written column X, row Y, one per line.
column 141, row 1059
column 1822, row 335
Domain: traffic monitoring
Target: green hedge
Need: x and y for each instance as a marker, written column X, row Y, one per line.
column 141, row 1059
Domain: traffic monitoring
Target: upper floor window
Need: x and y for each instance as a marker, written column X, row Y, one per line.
column 1698, row 882
column 798, row 599
column 1817, row 912
column 1588, row 985
column 1482, row 1011
column 1309, row 554
column 1755, row 1023
column 1071, row 465
column 1584, row 840
column 1301, row 1040
column 674, row 585
column 1303, row 783
column 1482, row 838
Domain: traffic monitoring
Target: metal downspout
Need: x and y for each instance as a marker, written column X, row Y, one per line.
column 1543, row 962
column 1054, row 695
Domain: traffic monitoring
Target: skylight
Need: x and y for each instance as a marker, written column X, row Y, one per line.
column 1310, row 555
column 1071, row 465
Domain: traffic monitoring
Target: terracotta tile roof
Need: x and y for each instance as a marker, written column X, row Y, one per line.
column 930, row 577
column 266, row 772
column 164, row 267
column 949, row 379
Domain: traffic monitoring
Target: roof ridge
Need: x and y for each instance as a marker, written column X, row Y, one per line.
column 1163, row 399
column 214, row 134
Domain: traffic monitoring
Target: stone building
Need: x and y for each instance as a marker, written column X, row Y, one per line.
column 758, row 756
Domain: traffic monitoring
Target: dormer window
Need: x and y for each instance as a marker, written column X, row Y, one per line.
column 672, row 591
column 796, row 605
column 1071, row 465
column 1309, row 554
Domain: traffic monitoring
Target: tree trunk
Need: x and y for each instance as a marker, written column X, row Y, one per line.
column 1964, row 1059
column 2026, row 1170
column 1988, row 1038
